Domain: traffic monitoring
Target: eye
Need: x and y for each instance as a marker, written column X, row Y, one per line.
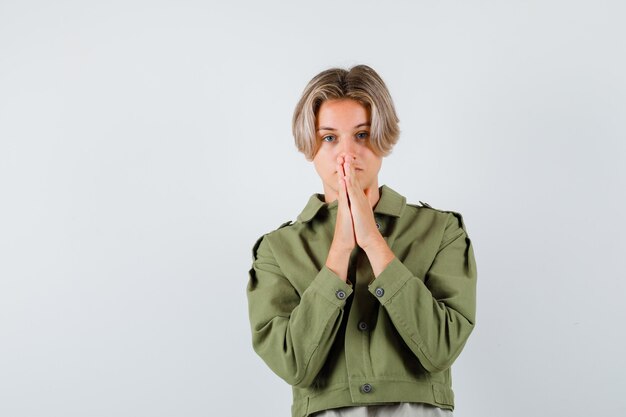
column 328, row 138
column 362, row 135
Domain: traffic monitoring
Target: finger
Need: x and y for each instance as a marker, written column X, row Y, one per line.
column 348, row 175
column 340, row 170
column 343, row 194
column 357, row 196
column 352, row 183
column 349, row 170
column 341, row 189
column 355, row 178
column 351, row 190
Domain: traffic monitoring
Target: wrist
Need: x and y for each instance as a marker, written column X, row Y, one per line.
column 380, row 255
column 338, row 259
column 339, row 249
column 376, row 244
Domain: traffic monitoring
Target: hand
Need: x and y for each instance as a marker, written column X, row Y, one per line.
column 365, row 230
column 344, row 237
column 344, row 240
column 366, row 233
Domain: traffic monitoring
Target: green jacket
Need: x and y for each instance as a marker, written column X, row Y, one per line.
column 389, row 339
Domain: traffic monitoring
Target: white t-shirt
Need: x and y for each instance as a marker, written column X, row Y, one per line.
column 387, row 410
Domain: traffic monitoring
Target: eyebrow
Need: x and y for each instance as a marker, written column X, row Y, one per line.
column 333, row 129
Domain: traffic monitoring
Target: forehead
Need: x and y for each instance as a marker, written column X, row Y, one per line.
column 340, row 112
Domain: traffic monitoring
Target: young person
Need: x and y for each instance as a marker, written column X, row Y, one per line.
column 364, row 302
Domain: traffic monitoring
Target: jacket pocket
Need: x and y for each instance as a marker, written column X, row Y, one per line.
column 443, row 395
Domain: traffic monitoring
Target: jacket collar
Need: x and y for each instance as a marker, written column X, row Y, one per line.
column 390, row 203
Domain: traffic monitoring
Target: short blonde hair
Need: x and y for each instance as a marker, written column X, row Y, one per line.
column 360, row 83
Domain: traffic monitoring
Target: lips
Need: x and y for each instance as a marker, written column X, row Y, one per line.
column 356, row 169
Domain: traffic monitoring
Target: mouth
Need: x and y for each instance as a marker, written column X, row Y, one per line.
column 356, row 169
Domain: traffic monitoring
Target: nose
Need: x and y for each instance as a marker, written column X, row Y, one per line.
column 348, row 147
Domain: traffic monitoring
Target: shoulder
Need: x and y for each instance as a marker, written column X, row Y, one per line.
column 453, row 220
column 264, row 238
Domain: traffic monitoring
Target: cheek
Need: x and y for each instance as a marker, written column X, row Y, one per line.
column 376, row 161
column 323, row 166
column 324, row 161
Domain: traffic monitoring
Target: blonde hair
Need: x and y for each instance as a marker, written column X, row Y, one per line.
column 360, row 83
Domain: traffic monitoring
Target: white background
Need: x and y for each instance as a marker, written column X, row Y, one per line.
column 145, row 146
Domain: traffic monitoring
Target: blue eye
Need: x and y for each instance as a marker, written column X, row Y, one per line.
column 328, row 138
column 362, row 135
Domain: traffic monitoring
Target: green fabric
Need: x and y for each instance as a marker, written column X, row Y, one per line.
column 419, row 311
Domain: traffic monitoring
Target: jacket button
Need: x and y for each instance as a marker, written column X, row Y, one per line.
column 379, row 292
column 362, row 326
column 366, row 388
column 341, row 294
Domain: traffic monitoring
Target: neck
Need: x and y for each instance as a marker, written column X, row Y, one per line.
column 373, row 196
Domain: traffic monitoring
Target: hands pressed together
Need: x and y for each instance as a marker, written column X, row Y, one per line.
column 355, row 223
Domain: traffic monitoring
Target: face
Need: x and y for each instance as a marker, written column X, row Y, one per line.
column 343, row 129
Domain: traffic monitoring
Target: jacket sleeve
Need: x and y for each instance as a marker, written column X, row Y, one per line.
column 293, row 332
column 436, row 315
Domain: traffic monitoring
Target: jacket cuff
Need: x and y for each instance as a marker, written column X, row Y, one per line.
column 331, row 287
column 390, row 280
